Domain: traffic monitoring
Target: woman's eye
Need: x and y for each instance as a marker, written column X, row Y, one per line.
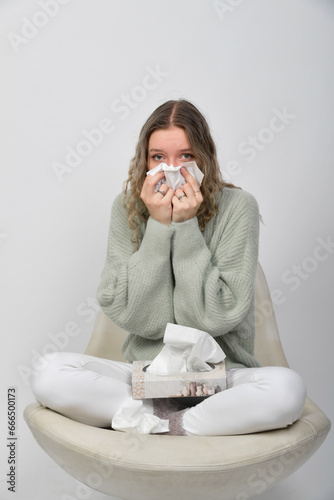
column 187, row 156
column 157, row 157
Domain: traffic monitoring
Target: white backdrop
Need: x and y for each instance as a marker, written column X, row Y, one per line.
column 79, row 78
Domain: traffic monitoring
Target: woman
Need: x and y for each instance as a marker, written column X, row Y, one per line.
column 188, row 257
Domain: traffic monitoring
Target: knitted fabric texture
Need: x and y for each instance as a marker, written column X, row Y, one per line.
column 169, row 409
column 181, row 275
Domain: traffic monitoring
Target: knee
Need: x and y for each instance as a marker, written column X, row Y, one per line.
column 289, row 392
column 44, row 376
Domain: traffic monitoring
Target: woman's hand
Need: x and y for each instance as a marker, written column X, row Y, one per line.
column 159, row 203
column 187, row 199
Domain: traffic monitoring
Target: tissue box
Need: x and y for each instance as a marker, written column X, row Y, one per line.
column 186, row 384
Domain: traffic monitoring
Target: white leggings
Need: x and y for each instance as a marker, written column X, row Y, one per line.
column 91, row 390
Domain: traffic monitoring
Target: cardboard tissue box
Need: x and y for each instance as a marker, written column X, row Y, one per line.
column 184, row 384
column 190, row 364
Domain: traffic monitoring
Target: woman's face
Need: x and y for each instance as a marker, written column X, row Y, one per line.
column 169, row 146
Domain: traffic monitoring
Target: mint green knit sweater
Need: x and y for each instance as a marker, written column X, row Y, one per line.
column 181, row 275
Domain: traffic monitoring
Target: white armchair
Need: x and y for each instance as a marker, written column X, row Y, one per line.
column 138, row 467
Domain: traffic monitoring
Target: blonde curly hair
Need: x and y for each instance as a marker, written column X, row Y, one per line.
column 183, row 114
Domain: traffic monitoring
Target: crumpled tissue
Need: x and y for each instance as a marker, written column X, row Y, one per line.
column 186, row 349
column 173, row 177
column 138, row 416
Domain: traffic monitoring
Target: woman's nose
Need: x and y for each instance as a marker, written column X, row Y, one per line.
column 176, row 162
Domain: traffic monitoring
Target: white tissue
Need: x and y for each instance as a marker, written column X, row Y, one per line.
column 186, row 349
column 173, row 177
column 138, row 415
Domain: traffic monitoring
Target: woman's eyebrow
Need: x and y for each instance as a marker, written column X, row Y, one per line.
column 161, row 150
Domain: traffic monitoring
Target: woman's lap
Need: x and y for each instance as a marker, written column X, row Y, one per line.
column 91, row 390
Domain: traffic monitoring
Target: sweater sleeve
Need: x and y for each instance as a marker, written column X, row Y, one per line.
column 214, row 288
column 136, row 288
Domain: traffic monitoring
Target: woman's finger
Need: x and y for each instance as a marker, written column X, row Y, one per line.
column 168, row 196
column 150, row 183
column 176, row 201
column 179, row 193
column 163, row 189
column 152, row 180
column 188, row 190
column 190, row 179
